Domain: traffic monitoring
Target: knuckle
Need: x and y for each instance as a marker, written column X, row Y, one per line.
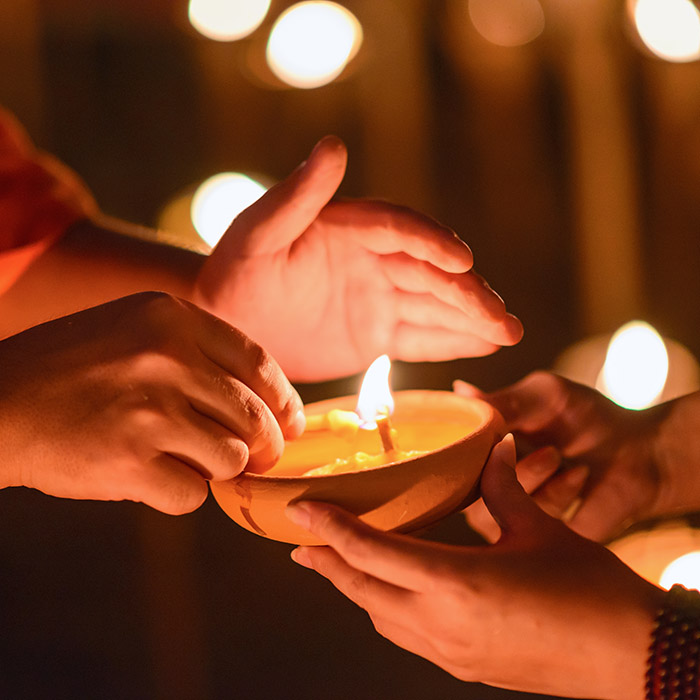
column 159, row 302
column 155, row 360
column 380, row 626
column 146, row 417
column 261, row 362
column 256, row 415
column 353, row 546
column 357, row 587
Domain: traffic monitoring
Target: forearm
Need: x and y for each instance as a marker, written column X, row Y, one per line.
column 677, row 451
column 91, row 264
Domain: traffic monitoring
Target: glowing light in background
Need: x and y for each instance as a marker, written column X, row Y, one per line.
column 667, row 553
column 227, row 20
column 684, row 570
column 507, row 22
column 218, row 201
column 669, row 28
column 312, row 42
column 636, row 366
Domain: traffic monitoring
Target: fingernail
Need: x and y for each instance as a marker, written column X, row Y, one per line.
column 298, row 514
column 297, row 426
column 505, row 450
column 300, row 556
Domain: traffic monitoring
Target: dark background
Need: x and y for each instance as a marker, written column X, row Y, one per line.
column 571, row 166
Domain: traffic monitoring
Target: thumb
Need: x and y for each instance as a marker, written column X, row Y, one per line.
column 286, row 210
column 503, row 495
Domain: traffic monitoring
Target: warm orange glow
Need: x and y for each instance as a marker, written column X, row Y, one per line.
column 375, row 397
column 507, row 22
column 312, row 42
column 669, row 28
column 218, row 201
column 636, row 366
column 684, row 570
column 227, row 20
column 667, row 554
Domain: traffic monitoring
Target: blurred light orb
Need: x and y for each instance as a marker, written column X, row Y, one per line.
column 227, row 20
column 684, row 570
column 507, row 22
column 311, row 43
column 636, row 366
column 670, row 29
column 219, row 200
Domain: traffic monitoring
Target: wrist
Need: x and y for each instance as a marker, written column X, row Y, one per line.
column 676, row 451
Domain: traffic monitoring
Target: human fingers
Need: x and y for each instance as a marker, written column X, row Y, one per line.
column 395, row 559
column 424, row 344
column 512, row 509
column 254, row 367
column 603, row 513
column 201, row 442
column 429, row 311
column 286, row 210
column 362, row 589
column 385, row 228
column 385, row 603
column 558, row 495
column 532, row 472
column 168, row 485
column 531, row 404
column 234, row 405
column 468, row 292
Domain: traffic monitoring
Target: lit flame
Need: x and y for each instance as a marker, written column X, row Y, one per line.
column 219, row 200
column 669, row 28
column 312, row 42
column 684, row 570
column 227, row 20
column 375, row 397
column 636, row 366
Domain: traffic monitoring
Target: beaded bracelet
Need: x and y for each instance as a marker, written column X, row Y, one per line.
column 674, row 654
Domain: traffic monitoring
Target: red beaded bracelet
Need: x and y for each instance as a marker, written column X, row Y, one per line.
column 674, row 654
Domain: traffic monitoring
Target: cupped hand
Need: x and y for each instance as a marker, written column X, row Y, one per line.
column 144, row 398
column 543, row 610
column 609, row 477
column 327, row 286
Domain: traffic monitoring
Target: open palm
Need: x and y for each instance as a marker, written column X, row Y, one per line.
column 327, row 286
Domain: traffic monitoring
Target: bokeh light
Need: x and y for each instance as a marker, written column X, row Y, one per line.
column 311, row 43
column 218, row 201
column 636, row 366
column 227, row 20
column 670, row 29
column 507, row 22
column 684, row 570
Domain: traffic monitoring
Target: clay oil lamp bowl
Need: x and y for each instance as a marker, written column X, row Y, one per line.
column 400, row 476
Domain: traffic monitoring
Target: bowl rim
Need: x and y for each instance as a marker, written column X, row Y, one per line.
column 490, row 414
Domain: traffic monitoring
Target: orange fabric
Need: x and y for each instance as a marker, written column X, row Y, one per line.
column 39, row 199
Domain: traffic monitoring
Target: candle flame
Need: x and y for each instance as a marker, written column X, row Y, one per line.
column 684, row 570
column 375, row 397
column 636, row 366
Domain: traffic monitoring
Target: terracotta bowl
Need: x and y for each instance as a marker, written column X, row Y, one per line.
column 456, row 434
